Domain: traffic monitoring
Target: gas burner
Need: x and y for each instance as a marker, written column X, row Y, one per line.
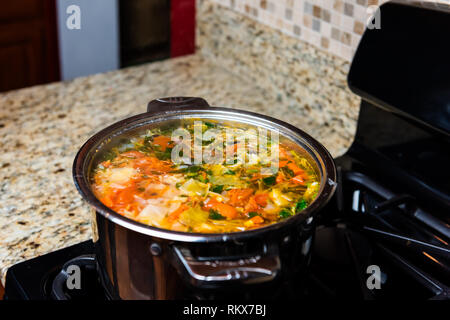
column 43, row 278
column 340, row 257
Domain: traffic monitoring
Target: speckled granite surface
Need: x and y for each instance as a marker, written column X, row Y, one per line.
column 42, row 128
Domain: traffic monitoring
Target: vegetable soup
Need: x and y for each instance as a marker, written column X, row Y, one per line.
column 144, row 179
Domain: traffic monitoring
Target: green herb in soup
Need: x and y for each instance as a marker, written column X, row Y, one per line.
column 139, row 180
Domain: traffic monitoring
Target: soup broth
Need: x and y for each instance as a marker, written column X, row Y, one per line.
column 158, row 178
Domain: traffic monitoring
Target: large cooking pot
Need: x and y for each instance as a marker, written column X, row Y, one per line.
column 137, row 261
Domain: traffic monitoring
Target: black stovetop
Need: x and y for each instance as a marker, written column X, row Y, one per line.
column 350, row 237
column 384, row 214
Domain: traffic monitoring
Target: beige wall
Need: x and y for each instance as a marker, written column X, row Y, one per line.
column 335, row 26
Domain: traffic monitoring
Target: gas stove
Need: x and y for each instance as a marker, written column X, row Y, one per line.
column 364, row 227
column 386, row 233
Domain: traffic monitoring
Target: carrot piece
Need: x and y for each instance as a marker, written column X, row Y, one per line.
column 224, row 209
column 284, row 154
column 106, row 164
column 238, row 197
column 296, row 169
column 133, row 154
column 125, row 196
column 251, row 205
column 298, row 179
column 261, row 199
column 283, row 163
column 257, row 220
column 256, row 176
column 280, row 177
column 149, row 164
column 162, row 141
column 107, row 201
column 232, row 149
column 176, row 214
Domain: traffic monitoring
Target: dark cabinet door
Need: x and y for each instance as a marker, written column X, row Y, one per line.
column 28, row 43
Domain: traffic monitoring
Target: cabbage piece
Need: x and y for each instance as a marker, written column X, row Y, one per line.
column 311, row 191
column 279, row 198
column 120, row 175
column 153, row 215
column 228, row 180
column 195, row 187
column 193, row 217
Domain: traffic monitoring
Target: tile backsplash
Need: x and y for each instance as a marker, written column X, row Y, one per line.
column 335, row 26
column 299, row 80
column 298, row 52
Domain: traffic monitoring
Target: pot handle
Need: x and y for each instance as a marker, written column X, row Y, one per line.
column 168, row 103
column 208, row 273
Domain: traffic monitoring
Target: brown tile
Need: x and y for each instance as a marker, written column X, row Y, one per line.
column 348, row 9
column 297, row 30
column 358, row 27
column 289, row 3
column 338, row 5
column 326, row 15
column 346, row 38
column 247, row 9
column 317, row 11
column 325, row 42
column 335, row 34
column 263, row 4
column 254, row 12
column 372, row 2
column 361, row 2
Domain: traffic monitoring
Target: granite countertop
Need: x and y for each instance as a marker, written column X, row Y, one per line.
column 42, row 128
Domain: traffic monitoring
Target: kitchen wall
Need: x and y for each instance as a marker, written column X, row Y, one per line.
column 297, row 51
column 332, row 25
column 94, row 47
column 306, row 80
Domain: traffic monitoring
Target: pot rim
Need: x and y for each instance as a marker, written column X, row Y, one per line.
column 324, row 159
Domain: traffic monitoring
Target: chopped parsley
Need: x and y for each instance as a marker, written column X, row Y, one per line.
column 214, row 215
column 252, row 214
column 284, row 213
column 301, row 205
column 217, row 189
column 269, row 181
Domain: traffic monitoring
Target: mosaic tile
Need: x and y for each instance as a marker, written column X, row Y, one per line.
column 288, row 14
column 316, row 25
column 346, row 18
column 348, row 9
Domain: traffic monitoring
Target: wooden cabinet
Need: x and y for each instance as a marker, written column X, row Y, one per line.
column 28, row 43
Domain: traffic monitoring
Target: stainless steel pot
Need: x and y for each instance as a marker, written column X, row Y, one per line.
column 137, row 261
